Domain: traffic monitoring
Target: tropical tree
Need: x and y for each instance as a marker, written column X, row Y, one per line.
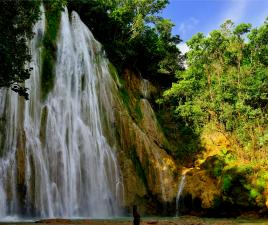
column 133, row 34
column 226, row 82
column 16, row 21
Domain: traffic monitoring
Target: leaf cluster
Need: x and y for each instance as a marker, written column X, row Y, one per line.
column 16, row 21
column 133, row 35
column 226, row 81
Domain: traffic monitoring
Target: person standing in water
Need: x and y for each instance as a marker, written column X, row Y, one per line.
column 136, row 216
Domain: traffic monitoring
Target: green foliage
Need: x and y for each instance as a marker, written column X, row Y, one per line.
column 227, row 182
column 183, row 144
column 16, row 21
column 226, row 82
column 244, row 185
column 124, row 96
column 214, row 165
column 254, row 193
column 218, row 168
column 229, row 157
column 245, row 169
column 262, row 180
column 242, row 29
column 256, row 188
column 133, row 35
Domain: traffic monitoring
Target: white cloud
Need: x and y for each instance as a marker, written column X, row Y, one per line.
column 188, row 25
column 183, row 47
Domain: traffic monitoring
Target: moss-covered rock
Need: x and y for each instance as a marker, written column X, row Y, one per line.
column 43, row 124
column 213, row 165
column 49, row 50
column 201, row 186
column 21, row 156
column 148, row 171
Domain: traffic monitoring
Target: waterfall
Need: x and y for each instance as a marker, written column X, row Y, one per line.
column 55, row 158
column 180, row 189
column 145, row 86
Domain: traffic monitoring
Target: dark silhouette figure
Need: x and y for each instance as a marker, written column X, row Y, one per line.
column 136, row 216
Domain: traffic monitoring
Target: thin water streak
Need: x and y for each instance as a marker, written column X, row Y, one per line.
column 180, row 189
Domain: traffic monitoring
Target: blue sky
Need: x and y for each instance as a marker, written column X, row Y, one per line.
column 192, row 16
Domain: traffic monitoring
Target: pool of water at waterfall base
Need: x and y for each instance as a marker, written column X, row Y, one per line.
column 183, row 220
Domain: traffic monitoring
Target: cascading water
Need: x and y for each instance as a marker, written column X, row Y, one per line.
column 55, row 160
column 145, row 84
column 180, row 189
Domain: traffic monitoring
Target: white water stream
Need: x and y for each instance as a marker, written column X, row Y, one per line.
column 180, row 189
column 55, row 159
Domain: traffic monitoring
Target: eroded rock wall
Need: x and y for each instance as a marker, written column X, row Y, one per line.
column 149, row 173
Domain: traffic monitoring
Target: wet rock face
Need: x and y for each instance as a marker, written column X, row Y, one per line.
column 146, row 167
column 20, row 158
column 149, row 123
column 137, row 85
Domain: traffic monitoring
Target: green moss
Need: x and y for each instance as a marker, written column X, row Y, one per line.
column 214, row 165
column 48, row 73
column 261, row 182
column 49, row 48
column 245, row 169
column 241, row 188
column 138, row 167
column 43, row 123
column 217, row 171
column 227, row 182
column 114, row 74
column 263, row 178
column 138, row 111
column 254, row 193
column 113, row 71
column 125, row 97
column 98, row 59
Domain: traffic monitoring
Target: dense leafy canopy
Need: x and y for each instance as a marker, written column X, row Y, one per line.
column 133, row 34
column 16, row 21
column 226, row 82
